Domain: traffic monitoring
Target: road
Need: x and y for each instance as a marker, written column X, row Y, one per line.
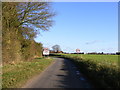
column 61, row 74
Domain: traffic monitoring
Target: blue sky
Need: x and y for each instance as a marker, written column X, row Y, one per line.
column 89, row 26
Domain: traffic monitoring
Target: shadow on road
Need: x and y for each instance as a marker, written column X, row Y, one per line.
column 61, row 74
column 70, row 77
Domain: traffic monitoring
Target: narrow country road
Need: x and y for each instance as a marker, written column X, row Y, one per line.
column 61, row 74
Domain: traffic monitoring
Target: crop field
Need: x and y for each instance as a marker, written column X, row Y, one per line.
column 106, row 60
column 103, row 70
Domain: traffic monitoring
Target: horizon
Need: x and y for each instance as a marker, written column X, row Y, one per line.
column 85, row 52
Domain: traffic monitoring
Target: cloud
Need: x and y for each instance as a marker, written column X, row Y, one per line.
column 92, row 42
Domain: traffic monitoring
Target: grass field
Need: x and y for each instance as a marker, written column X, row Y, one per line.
column 103, row 70
column 107, row 60
column 14, row 76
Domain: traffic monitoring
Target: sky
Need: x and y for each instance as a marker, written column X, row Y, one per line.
column 88, row 26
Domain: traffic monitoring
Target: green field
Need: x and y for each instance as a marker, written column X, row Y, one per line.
column 103, row 70
column 106, row 60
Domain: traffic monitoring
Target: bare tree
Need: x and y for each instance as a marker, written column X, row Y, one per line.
column 35, row 15
column 56, row 48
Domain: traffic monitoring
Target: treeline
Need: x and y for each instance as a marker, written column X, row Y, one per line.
column 20, row 25
column 95, row 53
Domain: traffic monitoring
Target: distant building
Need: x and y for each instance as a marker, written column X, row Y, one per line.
column 46, row 51
column 77, row 50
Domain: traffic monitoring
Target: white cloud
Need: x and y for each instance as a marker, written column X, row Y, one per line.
column 92, row 42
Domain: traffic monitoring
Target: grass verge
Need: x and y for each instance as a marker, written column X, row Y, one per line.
column 15, row 76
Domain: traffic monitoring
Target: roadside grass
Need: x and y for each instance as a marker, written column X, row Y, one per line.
column 102, row 70
column 15, row 76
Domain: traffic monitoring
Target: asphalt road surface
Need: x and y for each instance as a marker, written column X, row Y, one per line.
column 61, row 74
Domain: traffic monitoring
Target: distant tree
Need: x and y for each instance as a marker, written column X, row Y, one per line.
column 56, row 48
column 102, row 53
column 118, row 53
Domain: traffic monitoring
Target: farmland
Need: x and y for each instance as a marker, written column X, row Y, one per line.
column 107, row 60
column 103, row 70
